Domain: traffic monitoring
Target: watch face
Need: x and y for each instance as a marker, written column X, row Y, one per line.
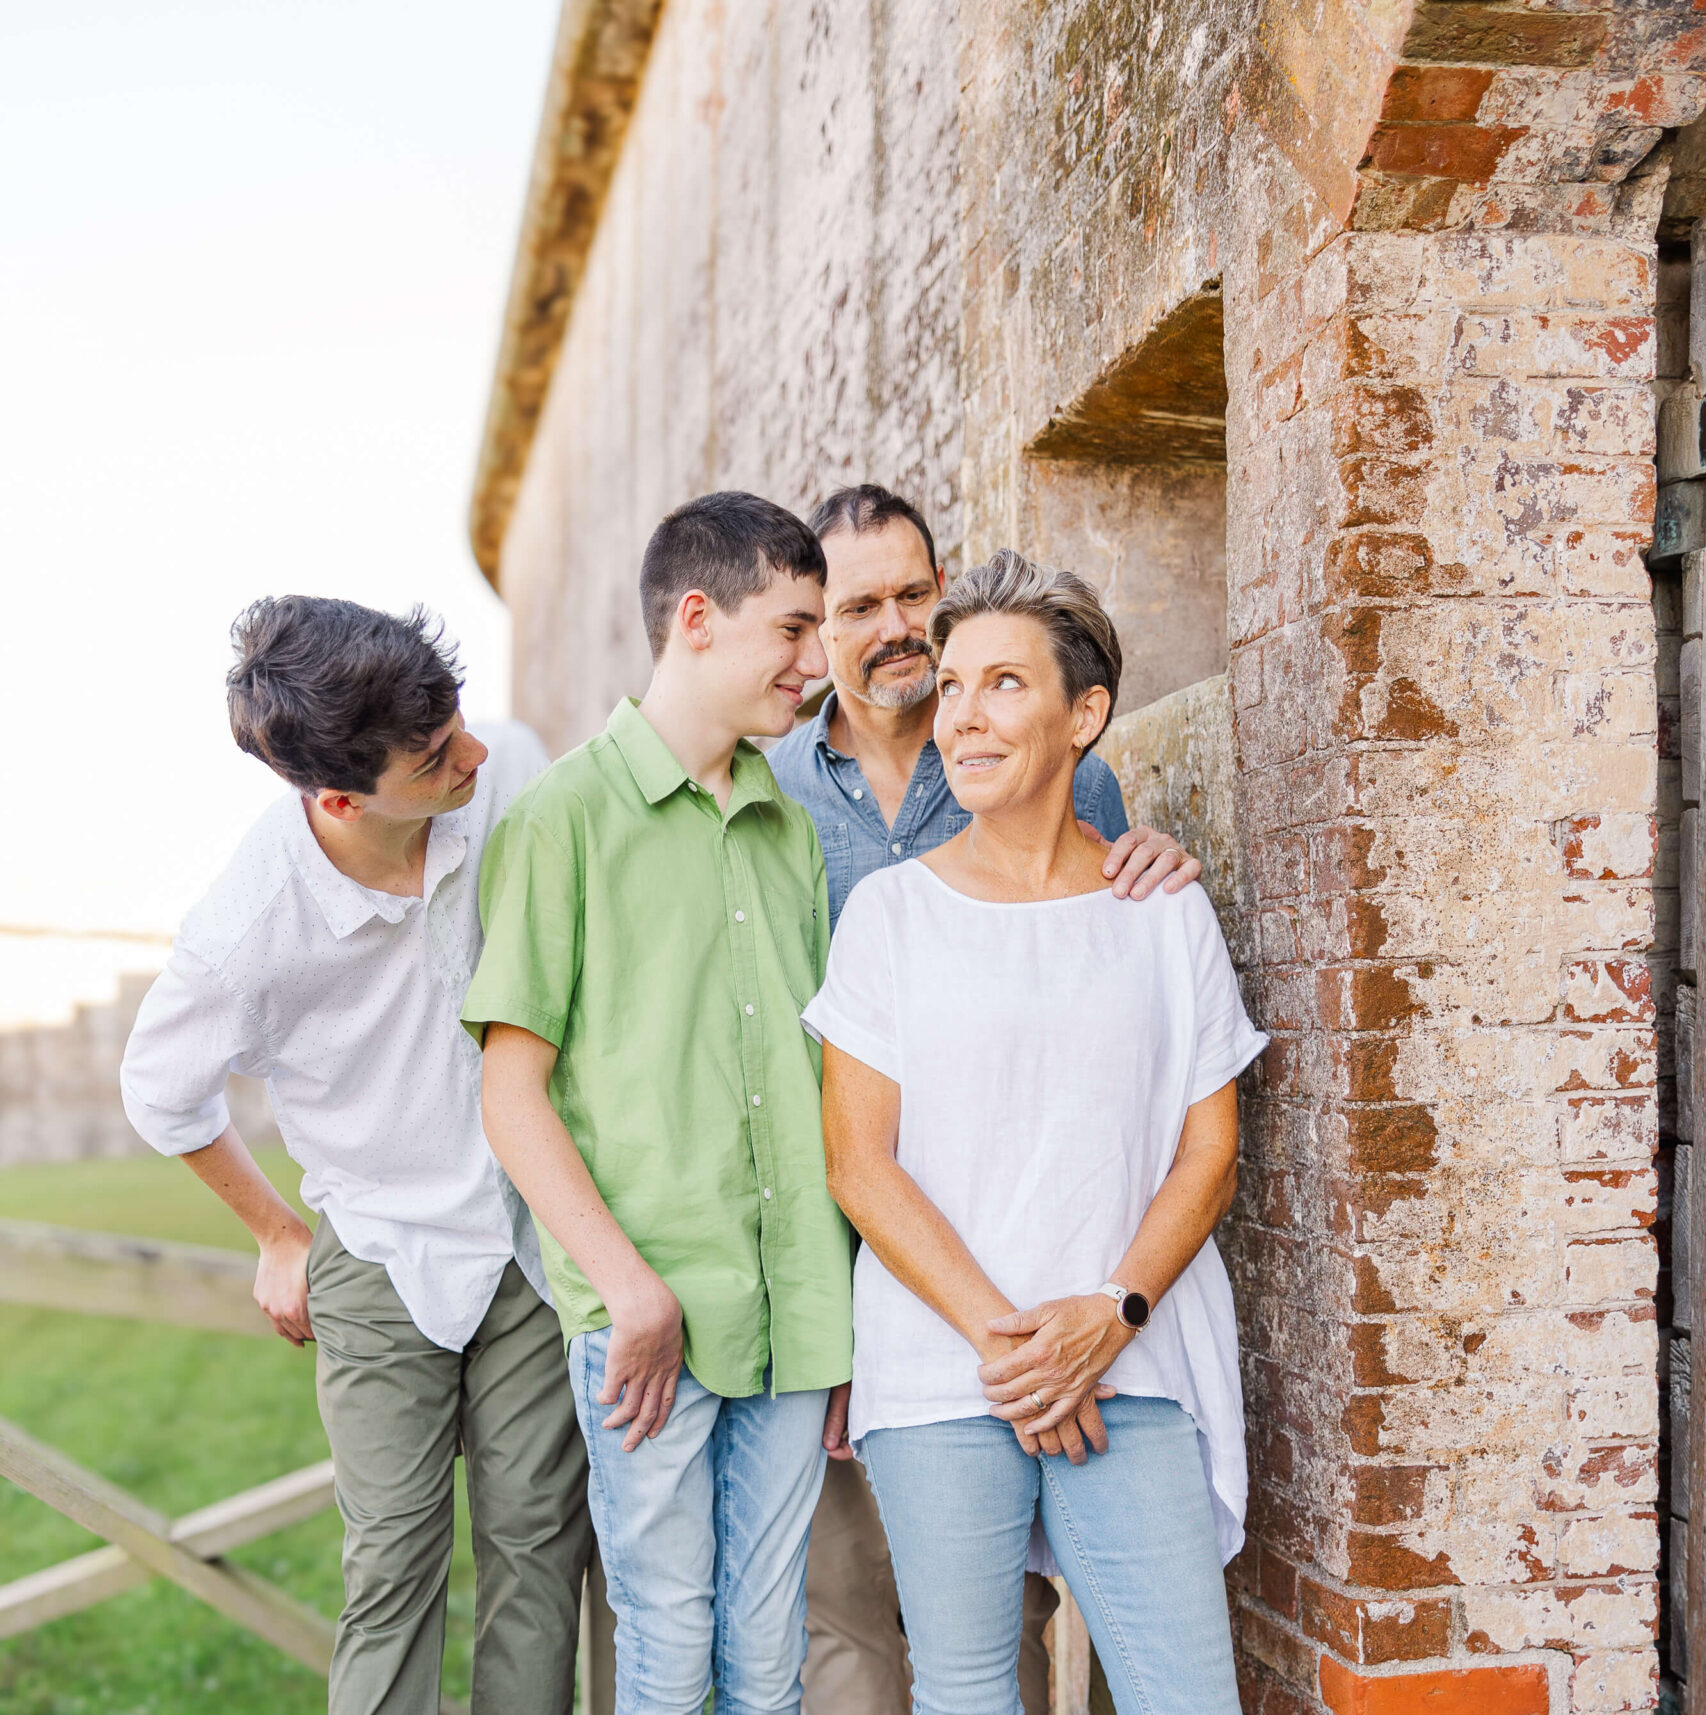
column 1134, row 1310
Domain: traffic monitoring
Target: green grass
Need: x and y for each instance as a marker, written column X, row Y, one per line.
column 180, row 1419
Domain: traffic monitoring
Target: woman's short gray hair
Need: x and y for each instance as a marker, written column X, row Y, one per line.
column 1082, row 637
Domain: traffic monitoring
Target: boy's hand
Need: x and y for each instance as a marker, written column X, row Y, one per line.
column 835, row 1442
column 281, row 1282
column 643, row 1362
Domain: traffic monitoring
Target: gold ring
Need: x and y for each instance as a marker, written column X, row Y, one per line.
column 1037, row 1400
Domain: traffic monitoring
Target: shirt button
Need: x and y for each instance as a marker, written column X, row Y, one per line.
column 740, row 916
column 895, row 848
column 858, row 793
column 758, row 1101
column 766, row 1193
column 749, row 1009
column 692, row 785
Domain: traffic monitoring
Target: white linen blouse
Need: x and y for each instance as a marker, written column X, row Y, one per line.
column 1046, row 1053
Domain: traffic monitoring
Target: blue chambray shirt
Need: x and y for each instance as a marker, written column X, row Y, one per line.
column 850, row 826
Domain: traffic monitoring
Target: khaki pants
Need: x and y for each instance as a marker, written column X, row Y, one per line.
column 857, row 1662
column 397, row 1409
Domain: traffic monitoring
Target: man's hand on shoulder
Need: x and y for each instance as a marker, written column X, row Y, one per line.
column 1142, row 859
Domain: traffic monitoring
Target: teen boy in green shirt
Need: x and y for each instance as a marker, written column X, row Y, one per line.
column 656, row 916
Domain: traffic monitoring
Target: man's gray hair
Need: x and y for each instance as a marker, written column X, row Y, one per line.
column 1082, row 637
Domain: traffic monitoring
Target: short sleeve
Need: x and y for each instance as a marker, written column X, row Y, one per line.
column 1097, row 799
column 530, row 908
column 1226, row 1040
column 191, row 1032
column 855, row 1008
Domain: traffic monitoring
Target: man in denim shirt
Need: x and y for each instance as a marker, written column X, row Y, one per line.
column 869, row 772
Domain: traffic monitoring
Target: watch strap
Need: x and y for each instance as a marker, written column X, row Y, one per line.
column 1120, row 1294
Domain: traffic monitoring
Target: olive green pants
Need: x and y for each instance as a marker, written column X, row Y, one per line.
column 397, row 1410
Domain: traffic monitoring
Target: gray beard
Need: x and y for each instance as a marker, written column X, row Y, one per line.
column 908, row 694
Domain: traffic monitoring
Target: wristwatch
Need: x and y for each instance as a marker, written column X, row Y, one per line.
column 1132, row 1308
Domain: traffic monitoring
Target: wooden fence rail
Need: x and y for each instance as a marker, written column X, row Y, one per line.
column 145, row 1280
column 194, row 1286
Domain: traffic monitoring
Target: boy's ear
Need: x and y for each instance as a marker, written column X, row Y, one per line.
column 693, row 615
column 340, row 806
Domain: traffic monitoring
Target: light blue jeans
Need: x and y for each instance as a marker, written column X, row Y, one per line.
column 703, row 1533
column 1132, row 1531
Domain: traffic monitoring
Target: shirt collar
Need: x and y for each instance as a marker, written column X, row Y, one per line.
column 929, row 758
column 819, row 727
column 657, row 773
column 344, row 902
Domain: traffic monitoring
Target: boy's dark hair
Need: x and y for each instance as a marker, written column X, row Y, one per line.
column 730, row 545
column 324, row 691
column 865, row 508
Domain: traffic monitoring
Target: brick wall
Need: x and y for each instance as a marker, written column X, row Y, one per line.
column 1443, row 659
column 1372, row 290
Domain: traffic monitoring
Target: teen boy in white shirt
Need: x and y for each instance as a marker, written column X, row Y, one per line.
column 330, row 959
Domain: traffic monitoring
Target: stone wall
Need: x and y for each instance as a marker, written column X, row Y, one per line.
column 59, row 1095
column 771, row 302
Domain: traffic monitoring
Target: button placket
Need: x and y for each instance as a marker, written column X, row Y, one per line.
column 862, row 798
column 740, row 882
column 927, row 776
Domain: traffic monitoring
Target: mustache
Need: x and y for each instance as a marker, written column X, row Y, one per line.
column 894, row 652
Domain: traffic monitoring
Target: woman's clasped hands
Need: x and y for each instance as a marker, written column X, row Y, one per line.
column 1048, row 1380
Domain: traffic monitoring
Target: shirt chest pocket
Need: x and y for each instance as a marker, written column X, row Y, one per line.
column 838, row 864
column 793, row 934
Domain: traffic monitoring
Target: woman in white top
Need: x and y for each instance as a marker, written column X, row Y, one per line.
column 1030, row 1118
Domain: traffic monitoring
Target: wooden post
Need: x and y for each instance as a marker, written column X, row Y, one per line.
column 90, row 1578
column 597, row 1642
column 1069, row 1657
column 145, row 1535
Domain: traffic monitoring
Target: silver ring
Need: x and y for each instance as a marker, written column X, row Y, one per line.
column 1037, row 1400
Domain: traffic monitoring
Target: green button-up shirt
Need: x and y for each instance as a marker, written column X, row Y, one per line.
column 667, row 948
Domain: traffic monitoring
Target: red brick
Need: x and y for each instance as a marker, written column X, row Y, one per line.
column 1388, row 1494
column 1469, row 153
column 1386, row 1564
column 1516, row 1690
column 1391, row 1139
column 1277, row 1582
column 1436, row 94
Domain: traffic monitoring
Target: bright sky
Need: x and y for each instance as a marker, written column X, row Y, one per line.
column 253, row 260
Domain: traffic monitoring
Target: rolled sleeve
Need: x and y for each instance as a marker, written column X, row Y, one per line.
column 191, row 1033
column 530, row 907
column 855, row 1008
